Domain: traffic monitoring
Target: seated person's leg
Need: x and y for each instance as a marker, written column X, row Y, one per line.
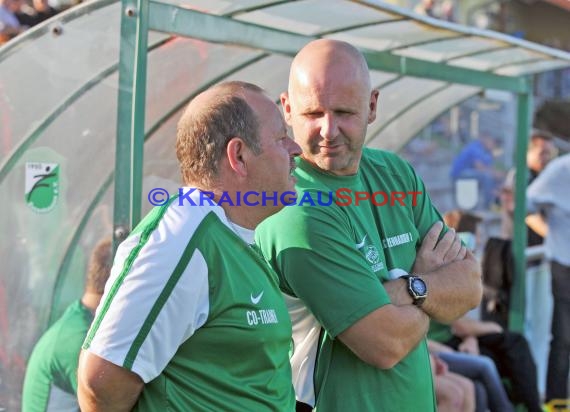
column 512, row 356
column 454, row 393
column 480, row 369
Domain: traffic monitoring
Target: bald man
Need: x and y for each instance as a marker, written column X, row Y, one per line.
column 364, row 273
column 192, row 318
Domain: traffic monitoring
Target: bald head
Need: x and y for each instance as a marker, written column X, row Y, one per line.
column 325, row 60
column 329, row 104
column 210, row 120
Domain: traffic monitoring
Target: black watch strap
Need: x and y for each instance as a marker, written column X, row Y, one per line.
column 417, row 288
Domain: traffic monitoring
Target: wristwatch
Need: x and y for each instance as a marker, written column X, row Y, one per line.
column 417, row 288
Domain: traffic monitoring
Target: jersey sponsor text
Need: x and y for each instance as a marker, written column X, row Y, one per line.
column 261, row 316
column 397, row 240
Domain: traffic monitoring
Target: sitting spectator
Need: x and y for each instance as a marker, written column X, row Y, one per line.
column 541, row 150
column 50, row 384
column 30, row 16
column 426, row 8
column 476, row 161
column 447, row 11
column 509, row 350
column 453, row 392
column 9, row 24
column 489, row 391
column 466, row 225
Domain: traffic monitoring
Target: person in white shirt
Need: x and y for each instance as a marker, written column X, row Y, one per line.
column 549, row 193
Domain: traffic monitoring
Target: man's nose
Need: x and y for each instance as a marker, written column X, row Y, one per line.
column 329, row 126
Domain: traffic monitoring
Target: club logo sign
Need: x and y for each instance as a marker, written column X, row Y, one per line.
column 42, row 186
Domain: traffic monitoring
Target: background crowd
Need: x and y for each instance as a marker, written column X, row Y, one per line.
column 16, row 16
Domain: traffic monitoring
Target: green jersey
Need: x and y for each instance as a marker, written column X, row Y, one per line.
column 51, row 374
column 197, row 313
column 439, row 332
column 332, row 261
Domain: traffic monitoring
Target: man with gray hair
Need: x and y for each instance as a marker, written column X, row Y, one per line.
column 192, row 318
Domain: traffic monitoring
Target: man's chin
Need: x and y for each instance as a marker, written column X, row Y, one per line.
column 329, row 164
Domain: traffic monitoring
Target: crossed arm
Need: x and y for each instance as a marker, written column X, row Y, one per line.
column 452, row 275
column 388, row 334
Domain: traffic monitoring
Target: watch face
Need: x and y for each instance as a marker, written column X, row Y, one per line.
column 419, row 286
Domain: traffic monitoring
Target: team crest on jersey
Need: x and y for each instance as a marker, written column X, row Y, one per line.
column 41, row 186
column 373, row 257
column 371, row 254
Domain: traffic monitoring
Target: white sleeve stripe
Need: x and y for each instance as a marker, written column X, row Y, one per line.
column 162, row 300
column 126, row 266
column 186, row 310
column 106, row 303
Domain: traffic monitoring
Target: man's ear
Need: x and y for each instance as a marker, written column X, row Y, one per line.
column 236, row 152
column 286, row 107
column 373, row 105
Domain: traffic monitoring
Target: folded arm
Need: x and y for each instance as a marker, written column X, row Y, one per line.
column 385, row 336
column 452, row 275
column 453, row 289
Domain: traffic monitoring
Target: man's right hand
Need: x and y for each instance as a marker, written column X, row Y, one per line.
column 435, row 252
column 452, row 275
column 431, row 255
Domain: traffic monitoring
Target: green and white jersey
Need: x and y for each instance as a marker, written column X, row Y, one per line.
column 332, row 261
column 50, row 384
column 197, row 313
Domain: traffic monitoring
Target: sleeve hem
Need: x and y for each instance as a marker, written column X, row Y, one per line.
column 146, row 376
column 355, row 316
